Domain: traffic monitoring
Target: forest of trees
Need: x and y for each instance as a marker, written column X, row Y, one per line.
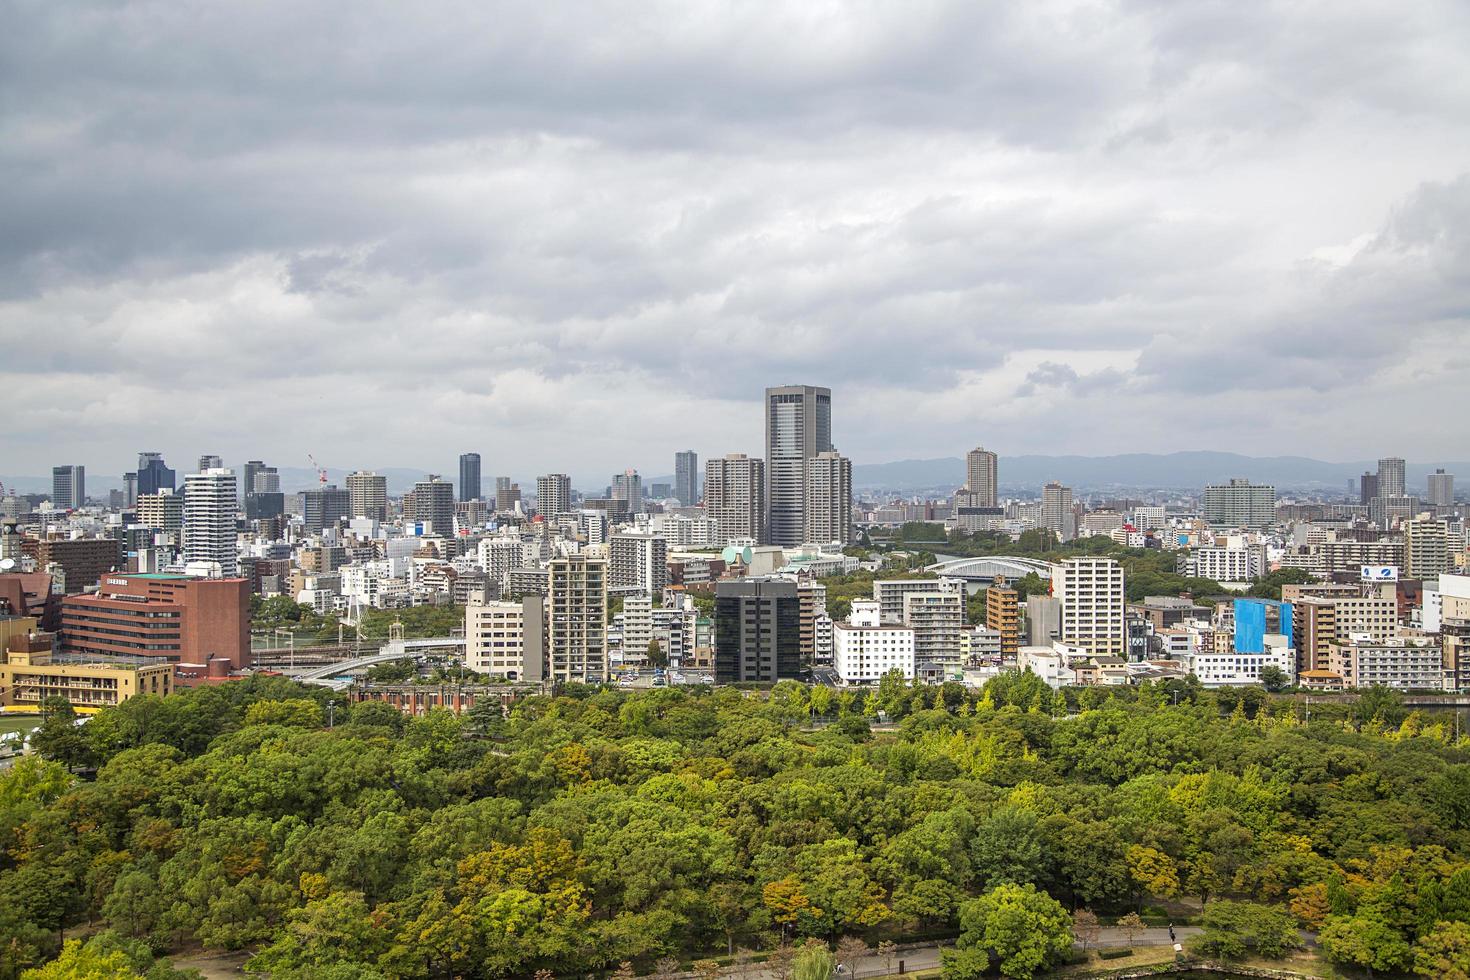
column 604, row 827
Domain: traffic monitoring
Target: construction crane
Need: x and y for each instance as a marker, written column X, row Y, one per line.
column 321, row 473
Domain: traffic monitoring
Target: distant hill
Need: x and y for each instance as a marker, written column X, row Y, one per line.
column 1183, row 470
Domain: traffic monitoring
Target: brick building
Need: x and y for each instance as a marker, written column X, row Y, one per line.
column 177, row 618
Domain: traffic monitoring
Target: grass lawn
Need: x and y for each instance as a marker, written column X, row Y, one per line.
column 1304, row 962
column 22, row 723
column 1141, row 956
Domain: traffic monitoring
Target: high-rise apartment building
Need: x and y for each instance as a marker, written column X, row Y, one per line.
column 507, row 494
column 1426, row 548
column 813, row 597
column 210, row 505
column 637, row 563
column 757, row 630
column 735, row 497
column 154, row 474
column 68, row 487
column 1391, row 477
column 469, row 476
column 325, row 507
column 980, row 477
column 1441, row 489
column 83, row 562
column 553, row 494
column 1390, row 512
column 1092, row 597
column 798, row 426
column 889, row 593
column 937, row 618
column 432, row 500
column 628, row 486
column 1240, row 503
column 162, row 511
column 1003, row 614
column 827, row 514
column 368, row 493
column 577, row 619
column 1056, row 510
column 686, row 477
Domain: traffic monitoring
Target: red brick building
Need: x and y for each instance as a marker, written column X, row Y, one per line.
column 184, row 620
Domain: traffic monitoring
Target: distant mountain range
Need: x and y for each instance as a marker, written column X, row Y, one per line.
column 1183, row 471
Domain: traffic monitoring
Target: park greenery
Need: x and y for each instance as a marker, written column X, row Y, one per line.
column 285, row 613
column 604, row 831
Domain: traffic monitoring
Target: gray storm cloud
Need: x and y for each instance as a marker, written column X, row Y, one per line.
column 582, row 237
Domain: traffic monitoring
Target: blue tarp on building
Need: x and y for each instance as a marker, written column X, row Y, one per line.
column 1254, row 618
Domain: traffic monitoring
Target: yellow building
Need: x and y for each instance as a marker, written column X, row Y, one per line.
column 28, row 677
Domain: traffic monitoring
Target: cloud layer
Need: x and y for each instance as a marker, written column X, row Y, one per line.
column 579, row 237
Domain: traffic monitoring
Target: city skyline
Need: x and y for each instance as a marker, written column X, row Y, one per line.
column 1040, row 469
column 1061, row 233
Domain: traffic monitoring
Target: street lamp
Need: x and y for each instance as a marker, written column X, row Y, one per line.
column 331, row 713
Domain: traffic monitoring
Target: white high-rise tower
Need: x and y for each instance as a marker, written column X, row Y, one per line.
column 210, row 503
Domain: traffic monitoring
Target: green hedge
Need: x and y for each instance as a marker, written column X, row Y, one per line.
column 1113, row 954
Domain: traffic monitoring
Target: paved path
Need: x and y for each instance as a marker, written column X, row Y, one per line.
column 926, row 958
column 1111, row 936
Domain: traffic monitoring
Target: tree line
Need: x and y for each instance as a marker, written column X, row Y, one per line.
column 609, row 831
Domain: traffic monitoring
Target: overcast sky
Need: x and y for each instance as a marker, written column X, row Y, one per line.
column 580, row 237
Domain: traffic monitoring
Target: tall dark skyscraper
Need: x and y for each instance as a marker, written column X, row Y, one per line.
column 686, row 477
column 469, row 476
column 757, row 631
column 154, row 475
column 1367, row 488
column 247, row 480
column 798, row 427
column 325, row 506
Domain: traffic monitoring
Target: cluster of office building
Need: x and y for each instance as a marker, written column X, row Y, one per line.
column 560, row 585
